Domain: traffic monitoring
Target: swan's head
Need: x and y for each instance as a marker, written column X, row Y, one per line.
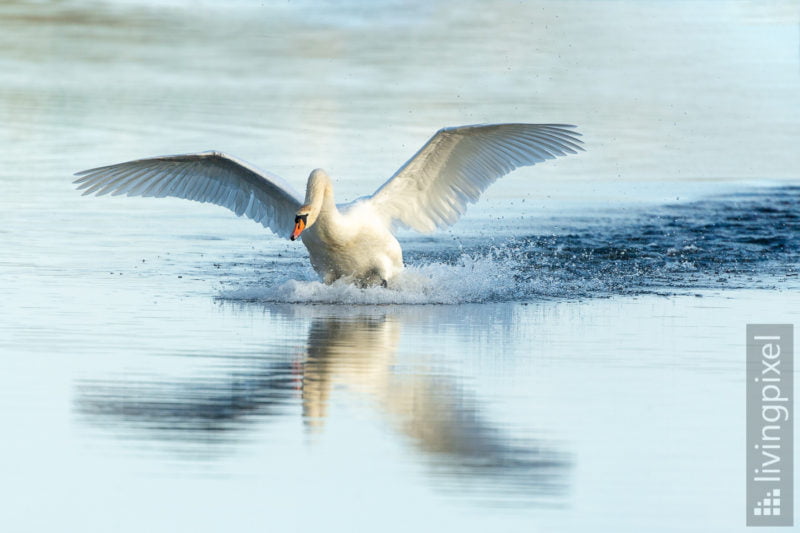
column 319, row 184
column 300, row 221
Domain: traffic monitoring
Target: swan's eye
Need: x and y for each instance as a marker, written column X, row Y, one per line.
column 304, row 218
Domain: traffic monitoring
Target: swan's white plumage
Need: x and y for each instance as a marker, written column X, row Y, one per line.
column 429, row 192
column 432, row 190
column 205, row 177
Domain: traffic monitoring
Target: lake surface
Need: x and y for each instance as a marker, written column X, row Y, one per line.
column 568, row 357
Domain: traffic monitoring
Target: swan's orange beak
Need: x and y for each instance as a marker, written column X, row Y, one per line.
column 299, row 226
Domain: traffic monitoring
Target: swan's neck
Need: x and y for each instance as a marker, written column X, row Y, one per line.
column 319, row 197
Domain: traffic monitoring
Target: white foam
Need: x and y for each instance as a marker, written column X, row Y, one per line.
column 471, row 279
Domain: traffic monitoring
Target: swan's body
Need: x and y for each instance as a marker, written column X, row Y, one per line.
column 354, row 240
column 345, row 240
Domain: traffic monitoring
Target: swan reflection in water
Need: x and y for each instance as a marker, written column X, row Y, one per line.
column 354, row 354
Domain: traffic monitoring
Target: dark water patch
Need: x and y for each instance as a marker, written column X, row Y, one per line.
column 738, row 240
column 742, row 240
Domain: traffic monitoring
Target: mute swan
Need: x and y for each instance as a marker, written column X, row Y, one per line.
column 353, row 240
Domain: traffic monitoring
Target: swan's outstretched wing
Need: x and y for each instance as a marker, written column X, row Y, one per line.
column 457, row 164
column 204, row 177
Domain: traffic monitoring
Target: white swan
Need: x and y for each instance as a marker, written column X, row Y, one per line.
column 354, row 240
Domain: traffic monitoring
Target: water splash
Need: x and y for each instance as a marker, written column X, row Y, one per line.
column 748, row 239
column 468, row 279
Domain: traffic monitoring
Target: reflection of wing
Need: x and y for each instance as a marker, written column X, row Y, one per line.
column 187, row 410
column 445, row 421
column 440, row 416
column 205, row 177
column 432, row 190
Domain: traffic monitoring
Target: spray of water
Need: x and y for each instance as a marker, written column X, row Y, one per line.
column 741, row 240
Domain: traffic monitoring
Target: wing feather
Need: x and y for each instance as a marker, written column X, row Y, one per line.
column 432, row 190
column 211, row 177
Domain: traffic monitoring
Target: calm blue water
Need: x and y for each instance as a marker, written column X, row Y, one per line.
column 568, row 357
